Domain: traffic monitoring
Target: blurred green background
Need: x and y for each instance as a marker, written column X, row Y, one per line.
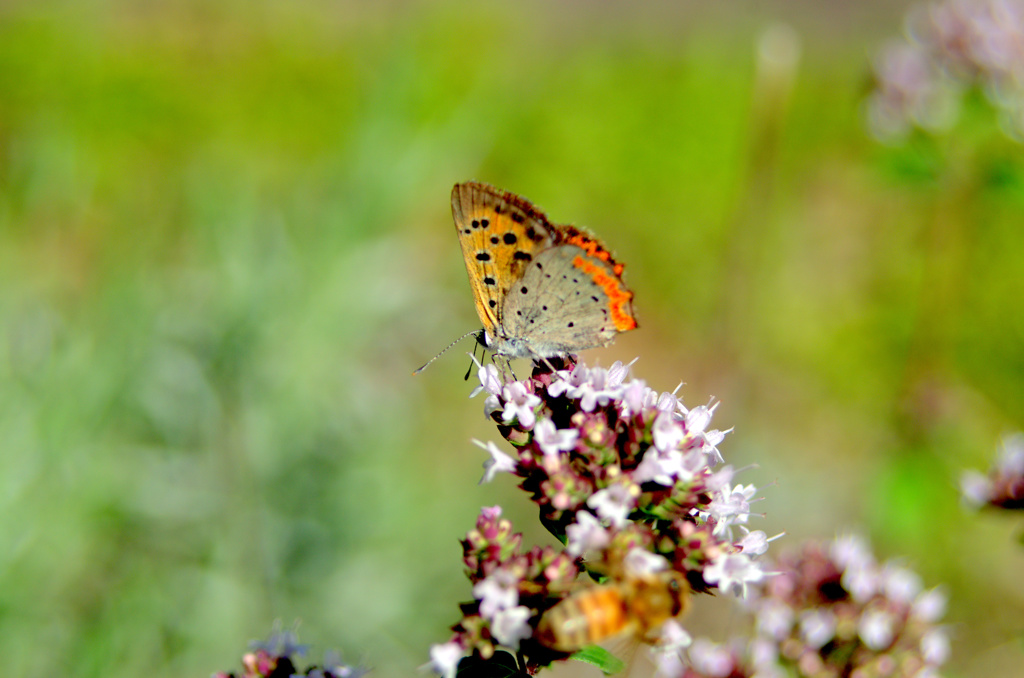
column 225, row 242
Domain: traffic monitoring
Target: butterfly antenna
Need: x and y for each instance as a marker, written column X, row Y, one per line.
column 467, row 334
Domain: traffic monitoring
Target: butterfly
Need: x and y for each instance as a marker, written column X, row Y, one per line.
column 541, row 289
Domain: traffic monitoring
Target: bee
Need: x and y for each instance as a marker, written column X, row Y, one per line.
column 634, row 604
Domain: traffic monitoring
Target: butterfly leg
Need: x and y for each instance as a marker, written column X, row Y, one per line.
column 504, row 366
column 550, row 366
column 538, row 359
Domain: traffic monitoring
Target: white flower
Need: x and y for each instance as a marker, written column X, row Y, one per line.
column 711, row 441
column 720, row 479
column 851, row 550
column 667, row 664
column 862, row 581
column 754, row 543
column 666, row 402
column 498, row 463
column 774, row 619
column 935, row 646
column 639, row 562
column 695, row 464
column 595, row 390
column 1011, row 457
column 567, row 380
column 444, row 658
column 710, row 659
column 490, row 381
column 698, row 418
column 817, row 627
column 499, row 591
column 614, row 504
column 672, row 640
column 900, row 584
column 519, row 404
column 667, row 431
column 660, row 467
column 552, row 440
column 633, row 396
column 586, row 534
column 673, row 637
column 618, row 372
column 731, row 571
column 930, row 605
column 764, row 654
column 876, row 628
column 975, row 488
column 491, row 405
column 509, row 626
column 731, row 506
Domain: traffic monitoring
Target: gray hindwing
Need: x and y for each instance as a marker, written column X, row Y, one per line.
column 556, row 307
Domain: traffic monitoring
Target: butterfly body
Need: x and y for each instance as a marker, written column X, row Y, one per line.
column 541, row 289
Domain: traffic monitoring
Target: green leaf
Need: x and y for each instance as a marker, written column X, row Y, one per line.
column 601, row 658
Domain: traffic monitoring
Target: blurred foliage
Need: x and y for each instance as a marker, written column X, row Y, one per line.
column 225, row 243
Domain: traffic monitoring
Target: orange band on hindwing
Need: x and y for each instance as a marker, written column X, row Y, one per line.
column 618, row 296
column 593, row 247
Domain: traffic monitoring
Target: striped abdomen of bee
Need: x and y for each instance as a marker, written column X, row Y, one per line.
column 636, row 605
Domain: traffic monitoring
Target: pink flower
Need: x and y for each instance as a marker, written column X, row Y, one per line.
column 498, row 463
column 586, row 534
column 445, row 657
column 519, row 405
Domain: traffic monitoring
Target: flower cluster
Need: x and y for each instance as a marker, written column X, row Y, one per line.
column 602, row 455
column 1003, row 487
column 707, row 659
column 511, row 590
column 953, row 46
column 832, row 610
column 276, row 658
column 624, row 475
